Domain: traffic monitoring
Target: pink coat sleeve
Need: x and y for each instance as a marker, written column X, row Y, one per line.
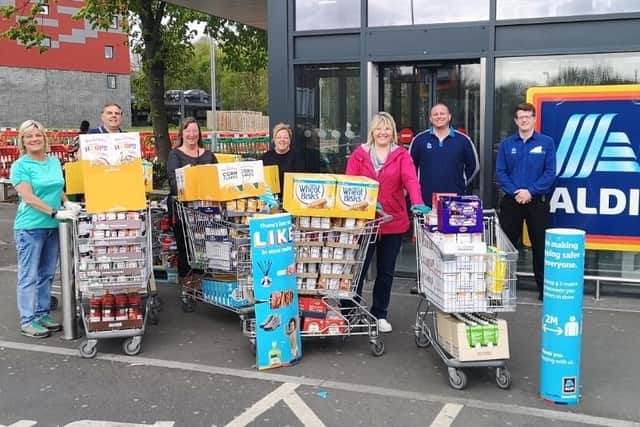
column 410, row 179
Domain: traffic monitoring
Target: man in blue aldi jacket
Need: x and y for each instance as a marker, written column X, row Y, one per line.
column 111, row 119
column 446, row 159
column 525, row 171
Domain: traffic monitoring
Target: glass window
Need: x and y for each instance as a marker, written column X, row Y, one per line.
column 108, row 52
column 112, row 82
column 44, row 9
column 515, row 75
column 516, row 9
column 327, row 123
column 435, row 12
column 46, row 42
column 114, row 23
column 327, row 14
column 382, row 13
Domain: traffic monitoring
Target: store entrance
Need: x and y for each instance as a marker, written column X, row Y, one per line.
column 409, row 90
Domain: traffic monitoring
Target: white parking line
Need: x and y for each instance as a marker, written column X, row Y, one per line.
column 447, row 415
column 286, row 392
column 336, row 385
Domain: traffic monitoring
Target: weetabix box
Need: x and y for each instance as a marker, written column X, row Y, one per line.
column 309, row 194
column 356, row 197
column 220, row 182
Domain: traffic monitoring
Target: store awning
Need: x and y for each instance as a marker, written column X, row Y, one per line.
column 249, row 12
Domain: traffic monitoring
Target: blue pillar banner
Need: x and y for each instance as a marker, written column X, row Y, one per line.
column 276, row 293
column 562, row 315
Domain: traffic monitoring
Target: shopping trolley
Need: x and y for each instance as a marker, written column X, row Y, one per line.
column 114, row 283
column 219, row 248
column 479, row 281
column 329, row 264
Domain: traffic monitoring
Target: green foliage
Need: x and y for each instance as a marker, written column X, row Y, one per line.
column 245, row 47
column 27, row 26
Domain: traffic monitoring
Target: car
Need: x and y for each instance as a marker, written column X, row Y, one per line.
column 197, row 96
column 173, row 95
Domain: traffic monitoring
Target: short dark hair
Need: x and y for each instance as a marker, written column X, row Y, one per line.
column 186, row 122
column 524, row 106
column 84, row 126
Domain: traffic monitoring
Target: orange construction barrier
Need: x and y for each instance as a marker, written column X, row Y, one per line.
column 8, row 155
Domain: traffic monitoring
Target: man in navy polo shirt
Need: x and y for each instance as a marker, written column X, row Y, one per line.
column 111, row 119
column 525, row 171
column 446, row 159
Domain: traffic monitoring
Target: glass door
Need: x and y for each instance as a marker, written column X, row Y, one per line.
column 408, row 91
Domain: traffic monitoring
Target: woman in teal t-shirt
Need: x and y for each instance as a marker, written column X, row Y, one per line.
column 37, row 177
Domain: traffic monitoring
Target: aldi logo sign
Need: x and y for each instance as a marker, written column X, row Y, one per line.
column 597, row 134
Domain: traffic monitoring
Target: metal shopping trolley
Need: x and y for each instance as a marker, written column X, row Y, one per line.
column 219, row 248
column 329, row 263
column 113, row 276
column 466, row 286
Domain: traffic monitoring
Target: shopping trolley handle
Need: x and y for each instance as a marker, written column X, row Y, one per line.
column 382, row 216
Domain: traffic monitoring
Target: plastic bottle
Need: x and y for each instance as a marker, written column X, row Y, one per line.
column 108, row 307
column 122, row 307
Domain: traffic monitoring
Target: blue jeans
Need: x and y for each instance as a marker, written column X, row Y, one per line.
column 387, row 248
column 37, row 252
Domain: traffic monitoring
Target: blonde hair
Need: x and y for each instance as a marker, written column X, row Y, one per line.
column 282, row 126
column 382, row 118
column 27, row 126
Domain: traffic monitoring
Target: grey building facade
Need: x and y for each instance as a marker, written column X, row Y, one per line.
column 333, row 64
column 60, row 98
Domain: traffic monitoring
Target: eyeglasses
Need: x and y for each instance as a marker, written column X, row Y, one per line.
column 527, row 117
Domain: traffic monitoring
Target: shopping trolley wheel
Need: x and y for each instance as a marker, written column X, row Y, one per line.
column 132, row 346
column 54, row 303
column 457, row 378
column 377, row 347
column 88, row 350
column 503, row 378
column 188, row 305
column 422, row 341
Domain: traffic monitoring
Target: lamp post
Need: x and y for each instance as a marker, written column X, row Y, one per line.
column 214, row 119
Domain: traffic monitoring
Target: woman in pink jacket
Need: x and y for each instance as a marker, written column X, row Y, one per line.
column 382, row 159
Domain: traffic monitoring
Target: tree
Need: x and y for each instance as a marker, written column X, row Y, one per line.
column 159, row 32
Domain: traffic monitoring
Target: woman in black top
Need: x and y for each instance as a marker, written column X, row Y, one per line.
column 189, row 151
column 282, row 154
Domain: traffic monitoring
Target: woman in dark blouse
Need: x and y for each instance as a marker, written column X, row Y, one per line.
column 190, row 151
column 282, row 154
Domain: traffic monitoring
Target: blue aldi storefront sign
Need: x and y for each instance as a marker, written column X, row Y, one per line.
column 597, row 135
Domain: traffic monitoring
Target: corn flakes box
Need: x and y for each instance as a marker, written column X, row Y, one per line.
column 356, row 197
column 220, row 182
column 309, row 194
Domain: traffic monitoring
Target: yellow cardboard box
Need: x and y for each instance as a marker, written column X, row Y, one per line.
column 74, row 179
column 272, row 178
column 356, row 197
column 227, row 158
column 452, row 336
column 114, row 188
column 309, row 194
column 220, row 182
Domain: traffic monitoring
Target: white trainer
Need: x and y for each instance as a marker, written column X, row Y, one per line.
column 384, row 325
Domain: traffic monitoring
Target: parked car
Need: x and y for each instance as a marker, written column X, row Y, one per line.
column 197, row 96
column 173, row 95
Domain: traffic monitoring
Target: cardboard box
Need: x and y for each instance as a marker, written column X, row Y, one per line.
column 312, row 307
column 220, row 182
column 74, row 179
column 452, row 336
column 435, row 200
column 460, row 214
column 312, row 325
column 308, row 194
column 272, row 178
column 114, row 188
column 356, row 197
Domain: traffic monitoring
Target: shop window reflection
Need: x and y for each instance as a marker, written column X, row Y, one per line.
column 327, row 115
